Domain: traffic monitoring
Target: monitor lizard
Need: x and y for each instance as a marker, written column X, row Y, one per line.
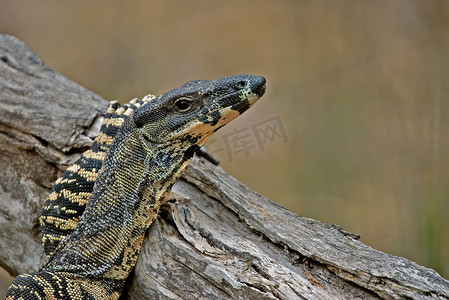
column 137, row 161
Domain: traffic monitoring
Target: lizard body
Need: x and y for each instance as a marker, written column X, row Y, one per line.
column 150, row 150
column 71, row 192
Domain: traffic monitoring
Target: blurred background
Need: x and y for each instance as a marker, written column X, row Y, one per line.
column 353, row 128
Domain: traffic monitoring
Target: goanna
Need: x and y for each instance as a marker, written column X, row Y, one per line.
column 150, row 150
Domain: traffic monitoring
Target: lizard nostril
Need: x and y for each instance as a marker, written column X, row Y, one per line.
column 241, row 84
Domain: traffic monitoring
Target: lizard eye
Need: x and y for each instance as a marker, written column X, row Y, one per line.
column 183, row 104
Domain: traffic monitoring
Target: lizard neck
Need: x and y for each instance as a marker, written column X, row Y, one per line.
column 134, row 181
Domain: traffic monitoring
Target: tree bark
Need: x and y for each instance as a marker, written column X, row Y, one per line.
column 215, row 239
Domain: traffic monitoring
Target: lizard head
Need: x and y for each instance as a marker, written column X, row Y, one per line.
column 191, row 113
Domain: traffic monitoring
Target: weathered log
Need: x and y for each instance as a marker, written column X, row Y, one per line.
column 215, row 239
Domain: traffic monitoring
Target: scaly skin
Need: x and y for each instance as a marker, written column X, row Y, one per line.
column 66, row 202
column 150, row 150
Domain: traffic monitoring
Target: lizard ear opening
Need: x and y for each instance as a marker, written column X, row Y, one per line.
column 190, row 152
